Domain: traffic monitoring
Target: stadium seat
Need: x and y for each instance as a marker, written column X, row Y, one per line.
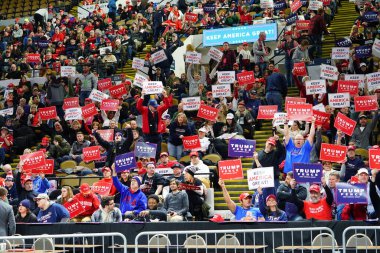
column 358, row 240
column 89, row 179
column 43, row 244
column 324, row 239
column 70, row 164
column 90, row 165
column 164, row 147
column 159, row 239
column 70, row 180
column 194, row 240
column 362, row 152
column 185, row 159
column 228, row 239
column 212, row 157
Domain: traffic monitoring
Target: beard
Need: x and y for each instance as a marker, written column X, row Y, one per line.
column 314, row 200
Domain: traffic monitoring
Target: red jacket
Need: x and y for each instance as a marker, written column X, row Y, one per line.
column 144, row 110
column 90, row 203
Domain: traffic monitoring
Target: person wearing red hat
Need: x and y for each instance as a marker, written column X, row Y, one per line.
column 164, row 161
column 268, row 207
column 6, row 140
column 24, row 186
column 89, row 201
column 288, row 44
column 107, row 178
column 317, row 28
column 245, row 57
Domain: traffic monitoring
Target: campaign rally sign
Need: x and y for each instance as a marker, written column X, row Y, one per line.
column 143, row 149
column 193, row 57
column 5, row 112
column 226, row 76
column 97, row 95
column 339, row 100
column 278, row 6
column 376, row 48
column 70, row 103
column 191, row 103
column 47, row 169
column 326, row 2
column 315, row 5
column 191, row 142
column 374, row 158
column 264, row 4
column 246, row 77
column 343, row 42
column 373, row 81
column 320, row 117
column 351, row 87
column 370, row 16
column 238, row 35
column 299, row 69
column 33, row 160
column 300, row 112
column 230, row 169
column 279, row 118
column 73, row 114
column 74, row 207
column 294, row 101
column 291, row 19
column 67, row 71
column 138, row 63
column 366, row 103
column 47, row 113
column 315, row 87
column 89, row 110
column 118, row 91
column 267, row 111
column 363, row 51
column 295, row 5
column 190, row 187
column 241, row 148
column 333, row 153
column 351, row 193
column 102, row 188
column 215, row 54
column 303, row 25
column 345, row 124
column 158, row 57
column 191, row 17
column 102, row 50
column 140, row 79
column 106, row 134
column 222, row 90
column 340, row 53
column 355, row 77
column 104, row 84
column 153, row 87
column 164, row 171
column 329, row 72
column 319, row 107
column 260, row 177
column 91, row 153
column 125, row 161
column 33, row 58
column 110, row 105
column 207, row 112
column 308, row 172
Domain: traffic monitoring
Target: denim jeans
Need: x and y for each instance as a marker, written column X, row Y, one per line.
column 175, row 151
column 316, row 46
column 289, row 68
column 83, row 95
column 274, row 98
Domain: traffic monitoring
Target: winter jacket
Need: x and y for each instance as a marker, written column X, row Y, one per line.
column 130, row 201
column 56, row 94
column 176, row 131
column 90, row 203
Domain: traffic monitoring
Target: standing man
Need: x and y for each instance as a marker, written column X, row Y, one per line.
column 276, row 89
column 317, row 27
column 40, row 18
column 363, row 130
column 228, row 58
column 288, row 45
column 112, row 9
column 158, row 18
column 7, row 218
column 89, row 82
column 260, row 52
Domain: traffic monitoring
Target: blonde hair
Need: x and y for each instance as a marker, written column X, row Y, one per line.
column 184, row 118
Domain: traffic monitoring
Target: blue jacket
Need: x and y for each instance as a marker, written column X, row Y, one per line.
column 54, row 213
column 252, row 104
column 276, row 82
column 130, row 201
column 41, row 185
column 112, row 6
column 176, row 131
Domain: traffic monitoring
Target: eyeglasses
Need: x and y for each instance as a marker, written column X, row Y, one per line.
column 111, row 204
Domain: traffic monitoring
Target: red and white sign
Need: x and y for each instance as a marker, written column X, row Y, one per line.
column 279, row 118
column 355, row 77
column 159, row 56
column 215, row 54
column 191, row 103
column 339, row 100
column 226, row 76
column 47, row 169
column 33, row 160
column 303, row 25
column 320, row 117
column 73, row 114
column 315, row 5
column 106, row 134
column 300, row 112
column 104, row 84
column 70, row 103
column 74, row 207
column 262, row 177
column 299, row 69
column 207, row 112
column 102, row 188
column 191, row 142
column 190, row 187
column 97, row 95
column 118, row 91
column 230, row 169
column 110, row 105
column 315, row 87
column 246, row 77
column 345, row 124
column 351, row 87
column 33, row 58
column 376, row 48
column 91, row 153
column 294, row 101
column 193, row 57
column 366, row 103
column 329, row 72
column 138, row 63
column 340, row 53
column 326, row 2
column 267, row 111
column 333, row 153
column 89, row 111
column 373, row 81
column 295, row 6
column 153, row 87
column 140, row 79
column 47, row 113
column 374, row 158
column 191, row 17
column 222, row 90
column 67, row 71
column 164, row 171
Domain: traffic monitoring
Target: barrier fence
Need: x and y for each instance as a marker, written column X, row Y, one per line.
column 86, row 242
column 361, row 239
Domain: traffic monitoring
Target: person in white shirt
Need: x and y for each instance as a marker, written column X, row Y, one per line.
column 203, row 171
column 40, row 18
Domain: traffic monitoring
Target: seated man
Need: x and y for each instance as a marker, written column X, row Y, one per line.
column 155, row 210
column 245, row 212
column 164, row 161
column 152, row 182
column 89, row 201
column 203, row 171
column 76, row 152
column 176, row 203
column 50, row 212
column 107, row 211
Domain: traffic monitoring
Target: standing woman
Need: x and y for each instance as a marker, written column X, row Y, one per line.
column 66, row 195
column 178, row 129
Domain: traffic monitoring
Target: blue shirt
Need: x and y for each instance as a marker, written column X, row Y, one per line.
column 296, row 155
column 241, row 213
column 54, row 213
column 41, row 185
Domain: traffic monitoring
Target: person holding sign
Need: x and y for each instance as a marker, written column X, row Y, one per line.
column 178, row 129
column 245, row 212
column 50, row 212
column 195, row 81
column 89, row 201
column 269, row 207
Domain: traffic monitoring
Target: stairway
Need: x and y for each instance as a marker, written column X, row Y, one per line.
column 341, row 26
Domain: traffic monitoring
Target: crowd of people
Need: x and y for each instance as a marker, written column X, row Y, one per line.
column 60, row 40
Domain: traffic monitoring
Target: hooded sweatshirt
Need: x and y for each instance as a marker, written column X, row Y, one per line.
column 130, row 201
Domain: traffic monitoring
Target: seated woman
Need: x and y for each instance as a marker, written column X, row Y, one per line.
column 269, row 208
column 66, row 195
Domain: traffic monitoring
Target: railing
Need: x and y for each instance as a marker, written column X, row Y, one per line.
column 361, row 239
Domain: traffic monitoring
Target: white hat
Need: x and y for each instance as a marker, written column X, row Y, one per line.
column 363, row 170
column 230, row 116
column 202, row 129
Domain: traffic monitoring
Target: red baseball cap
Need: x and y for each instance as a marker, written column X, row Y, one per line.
column 351, row 148
column 217, row 218
column 106, row 169
column 245, row 43
column 85, row 188
column 271, row 196
column 315, row 188
column 272, row 140
column 163, row 154
column 244, row 195
column 194, row 153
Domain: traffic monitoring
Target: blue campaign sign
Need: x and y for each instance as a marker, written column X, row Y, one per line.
column 363, row 51
column 241, row 148
column 239, row 34
column 125, row 161
column 143, row 149
column 351, row 193
column 307, row 172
